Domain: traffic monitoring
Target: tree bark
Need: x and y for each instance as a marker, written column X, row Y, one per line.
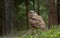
column 58, row 10
column 53, row 18
column 10, row 15
column 2, row 18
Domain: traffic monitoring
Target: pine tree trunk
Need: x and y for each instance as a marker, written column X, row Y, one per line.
column 10, row 16
column 2, row 18
column 53, row 18
column 58, row 10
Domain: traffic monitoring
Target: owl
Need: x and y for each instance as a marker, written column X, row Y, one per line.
column 35, row 20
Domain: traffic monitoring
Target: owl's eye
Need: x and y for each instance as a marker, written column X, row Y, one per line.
column 30, row 12
column 33, row 19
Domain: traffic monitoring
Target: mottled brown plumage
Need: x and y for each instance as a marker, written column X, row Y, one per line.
column 36, row 20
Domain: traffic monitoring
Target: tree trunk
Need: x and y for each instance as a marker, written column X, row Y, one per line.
column 53, row 18
column 58, row 10
column 2, row 18
column 9, row 16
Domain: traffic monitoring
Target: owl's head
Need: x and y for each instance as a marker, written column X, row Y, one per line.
column 32, row 13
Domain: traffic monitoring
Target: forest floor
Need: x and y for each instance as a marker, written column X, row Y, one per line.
column 54, row 32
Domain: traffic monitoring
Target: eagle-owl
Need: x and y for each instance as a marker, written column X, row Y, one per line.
column 36, row 20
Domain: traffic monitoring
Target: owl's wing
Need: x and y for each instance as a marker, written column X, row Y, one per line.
column 33, row 21
column 40, row 20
